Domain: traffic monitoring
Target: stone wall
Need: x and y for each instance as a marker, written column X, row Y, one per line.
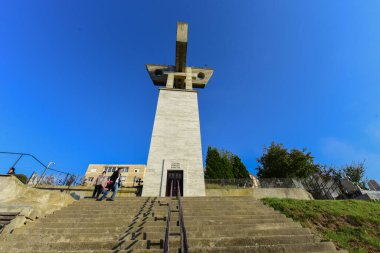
column 259, row 193
column 30, row 202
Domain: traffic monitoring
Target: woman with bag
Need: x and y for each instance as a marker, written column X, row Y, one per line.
column 112, row 185
column 100, row 184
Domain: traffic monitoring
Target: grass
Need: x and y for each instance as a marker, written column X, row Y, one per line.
column 351, row 224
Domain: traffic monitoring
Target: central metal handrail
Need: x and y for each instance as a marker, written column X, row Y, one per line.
column 184, row 245
column 167, row 231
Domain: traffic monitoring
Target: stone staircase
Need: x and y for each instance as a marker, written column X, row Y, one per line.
column 213, row 224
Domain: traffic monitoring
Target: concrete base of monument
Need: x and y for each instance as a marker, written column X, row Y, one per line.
column 259, row 193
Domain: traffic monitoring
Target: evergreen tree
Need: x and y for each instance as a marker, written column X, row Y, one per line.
column 227, row 169
column 239, row 169
column 213, row 164
column 224, row 165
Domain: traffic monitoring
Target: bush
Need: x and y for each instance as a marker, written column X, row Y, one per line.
column 278, row 162
column 22, row 178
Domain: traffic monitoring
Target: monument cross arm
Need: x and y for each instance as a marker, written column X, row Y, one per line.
column 181, row 47
column 180, row 76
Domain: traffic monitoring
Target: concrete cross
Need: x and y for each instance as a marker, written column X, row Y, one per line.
column 179, row 76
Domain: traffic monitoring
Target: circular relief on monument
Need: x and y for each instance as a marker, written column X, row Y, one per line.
column 158, row 72
column 201, row 75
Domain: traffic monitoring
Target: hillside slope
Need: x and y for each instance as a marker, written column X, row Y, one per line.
column 352, row 225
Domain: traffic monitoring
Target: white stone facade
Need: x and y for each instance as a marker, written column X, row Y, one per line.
column 175, row 144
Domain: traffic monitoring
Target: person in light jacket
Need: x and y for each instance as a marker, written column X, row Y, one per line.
column 100, row 184
column 112, row 185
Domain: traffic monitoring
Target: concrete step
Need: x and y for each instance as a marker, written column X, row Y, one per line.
column 322, row 247
column 151, row 222
column 174, row 243
column 227, row 233
column 186, row 213
column 173, row 216
column 159, row 228
column 213, row 224
column 256, row 228
column 115, row 235
column 251, row 249
column 106, row 230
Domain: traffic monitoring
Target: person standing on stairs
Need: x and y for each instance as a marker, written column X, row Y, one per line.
column 112, row 185
column 100, row 184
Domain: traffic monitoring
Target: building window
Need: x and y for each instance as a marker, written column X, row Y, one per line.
column 123, row 178
column 125, row 169
column 113, row 169
column 137, row 170
column 93, row 170
column 90, row 179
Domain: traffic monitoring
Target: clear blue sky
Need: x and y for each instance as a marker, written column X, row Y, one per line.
column 74, row 88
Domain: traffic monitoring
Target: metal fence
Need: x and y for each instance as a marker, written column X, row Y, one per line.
column 320, row 187
column 41, row 174
column 228, row 183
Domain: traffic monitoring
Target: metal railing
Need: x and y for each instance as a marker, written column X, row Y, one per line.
column 232, row 183
column 319, row 186
column 184, row 246
column 48, row 176
column 182, row 234
column 167, row 230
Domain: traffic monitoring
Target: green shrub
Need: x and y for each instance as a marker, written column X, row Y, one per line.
column 22, row 178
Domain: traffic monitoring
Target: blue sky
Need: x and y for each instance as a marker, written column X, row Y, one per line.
column 74, row 88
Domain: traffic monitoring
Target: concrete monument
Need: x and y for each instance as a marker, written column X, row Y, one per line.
column 175, row 154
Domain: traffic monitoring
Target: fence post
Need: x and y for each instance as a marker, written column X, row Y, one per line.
column 14, row 165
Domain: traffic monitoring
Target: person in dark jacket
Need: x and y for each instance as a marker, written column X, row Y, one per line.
column 112, row 185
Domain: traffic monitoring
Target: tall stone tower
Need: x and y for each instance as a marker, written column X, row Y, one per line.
column 175, row 154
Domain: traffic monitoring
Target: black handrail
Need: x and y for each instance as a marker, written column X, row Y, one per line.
column 167, row 231
column 46, row 167
column 184, row 245
column 35, row 158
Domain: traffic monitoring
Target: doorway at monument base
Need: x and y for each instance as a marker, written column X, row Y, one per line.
column 175, row 154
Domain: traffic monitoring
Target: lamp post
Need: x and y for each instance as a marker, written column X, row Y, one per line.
column 46, row 168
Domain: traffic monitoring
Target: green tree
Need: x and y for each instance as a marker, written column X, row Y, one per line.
column 238, row 168
column 355, row 172
column 301, row 164
column 224, row 165
column 274, row 162
column 277, row 161
column 213, row 164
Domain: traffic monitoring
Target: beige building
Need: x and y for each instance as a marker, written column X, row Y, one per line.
column 131, row 174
